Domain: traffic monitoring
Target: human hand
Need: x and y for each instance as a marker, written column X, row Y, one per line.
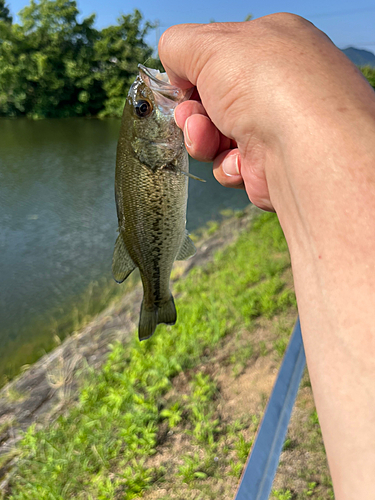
column 262, row 84
column 276, row 98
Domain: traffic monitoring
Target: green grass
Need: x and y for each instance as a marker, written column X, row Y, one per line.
column 281, row 495
column 101, row 449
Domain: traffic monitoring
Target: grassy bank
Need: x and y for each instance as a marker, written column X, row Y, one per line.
column 45, row 332
column 166, row 418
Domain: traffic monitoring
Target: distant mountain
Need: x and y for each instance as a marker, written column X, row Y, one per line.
column 360, row 57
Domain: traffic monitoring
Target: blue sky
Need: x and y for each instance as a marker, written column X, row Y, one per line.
column 345, row 22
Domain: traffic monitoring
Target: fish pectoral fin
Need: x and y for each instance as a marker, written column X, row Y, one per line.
column 187, row 249
column 188, row 174
column 173, row 167
column 122, row 264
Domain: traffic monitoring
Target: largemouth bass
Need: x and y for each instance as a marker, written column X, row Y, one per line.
column 151, row 195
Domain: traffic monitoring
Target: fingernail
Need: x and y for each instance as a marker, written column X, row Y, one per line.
column 188, row 141
column 174, row 116
column 230, row 165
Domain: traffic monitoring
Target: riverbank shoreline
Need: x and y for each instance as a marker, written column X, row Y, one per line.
column 47, row 388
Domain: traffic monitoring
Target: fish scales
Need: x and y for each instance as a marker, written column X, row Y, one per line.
column 153, row 241
column 151, row 188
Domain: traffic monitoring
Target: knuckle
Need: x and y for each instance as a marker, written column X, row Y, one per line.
column 166, row 37
column 283, row 20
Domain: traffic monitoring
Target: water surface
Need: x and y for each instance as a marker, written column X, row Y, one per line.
column 58, row 227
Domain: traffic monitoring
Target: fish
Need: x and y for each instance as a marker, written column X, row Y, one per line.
column 151, row 190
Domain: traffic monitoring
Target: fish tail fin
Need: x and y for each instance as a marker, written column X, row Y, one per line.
column 148, row 321
column 167, row 312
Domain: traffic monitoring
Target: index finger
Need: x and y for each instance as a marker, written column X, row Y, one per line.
column 184, row 52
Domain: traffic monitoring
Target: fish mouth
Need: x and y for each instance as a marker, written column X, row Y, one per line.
column 162, row 89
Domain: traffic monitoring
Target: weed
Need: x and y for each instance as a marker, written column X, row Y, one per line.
column 235, row 468
column 7, row 457
column 240, row 358
column 288, row 443
column 314, row 418
column 14, row 395
column 242, row 447
column 310, row 489
column 281, row 494
column 192, row 468
column 100, row 448
column 235, row 427
column 263, row 348
column 7, row 424
column 213, row 227
column 204, row 426
column 172, row 414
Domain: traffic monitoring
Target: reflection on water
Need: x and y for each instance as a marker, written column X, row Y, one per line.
column 58, row 224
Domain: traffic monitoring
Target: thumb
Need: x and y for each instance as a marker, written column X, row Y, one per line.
column 227, row 169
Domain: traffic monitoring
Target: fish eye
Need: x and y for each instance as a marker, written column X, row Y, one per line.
column 143, row 108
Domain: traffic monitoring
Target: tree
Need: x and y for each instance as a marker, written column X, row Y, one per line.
column 369, row 73
column 55, row 55
column 52, row 65
column 4, row 13
column 36, row 58
column 118, row 52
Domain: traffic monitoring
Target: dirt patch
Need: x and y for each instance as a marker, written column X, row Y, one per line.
column 241, row 400
column 247, row 393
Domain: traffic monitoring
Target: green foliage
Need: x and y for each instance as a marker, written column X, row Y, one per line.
column 242, row 448
column 369, row 73
column 235, row 469
column 281, row 494
column 172, row 414
column 314, row 418
column 192, row 468
column 310, row 489
column 240, row 358
column 263, row 348
column 288, row 443
column 99, row 449
column 52, row 65
column 281, row 342
column 4, row 13
column 118, row 51
column 201, row 412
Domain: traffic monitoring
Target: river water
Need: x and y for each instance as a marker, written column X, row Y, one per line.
column 58, row 227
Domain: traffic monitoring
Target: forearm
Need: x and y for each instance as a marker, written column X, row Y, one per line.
column 285, row 114
column 326, row 205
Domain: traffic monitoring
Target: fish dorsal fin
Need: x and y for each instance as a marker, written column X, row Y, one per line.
column 187, row 248
column 122, row 264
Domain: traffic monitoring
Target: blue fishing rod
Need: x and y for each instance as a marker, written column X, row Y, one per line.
column 260, row 470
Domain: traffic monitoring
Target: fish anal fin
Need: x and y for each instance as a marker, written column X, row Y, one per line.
column 122, row 264
column 187, row 249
